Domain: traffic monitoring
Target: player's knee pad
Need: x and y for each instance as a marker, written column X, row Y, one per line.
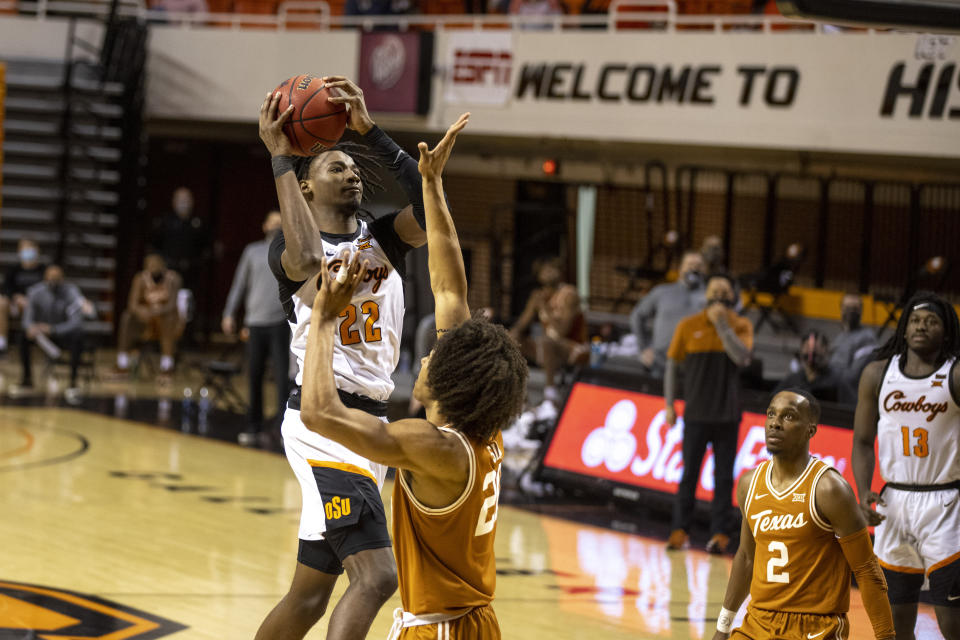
column 903, row 588
column 945, row 585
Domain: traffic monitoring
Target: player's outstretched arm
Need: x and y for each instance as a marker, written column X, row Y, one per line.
column 448, row 278
column 741, row 573
column 415, row 445
column 409, row 224
column 837, row 505
column 303, row 244
column 863, row 458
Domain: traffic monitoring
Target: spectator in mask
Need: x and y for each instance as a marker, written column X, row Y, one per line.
column 656, row 316
column 711, row 347
column 151, row 313
column 816, row 376
column 16, row 282
column 853, row 347
column 53, row 320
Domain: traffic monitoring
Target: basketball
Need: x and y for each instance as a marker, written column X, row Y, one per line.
column 315, row 123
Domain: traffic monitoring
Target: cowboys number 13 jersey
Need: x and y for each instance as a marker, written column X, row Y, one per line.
column 367, row 344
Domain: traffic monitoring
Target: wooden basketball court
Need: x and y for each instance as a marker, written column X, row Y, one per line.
column 116, row 529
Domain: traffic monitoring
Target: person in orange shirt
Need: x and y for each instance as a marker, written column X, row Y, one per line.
column 448, row 466
column 802, row 536
column 712, row 346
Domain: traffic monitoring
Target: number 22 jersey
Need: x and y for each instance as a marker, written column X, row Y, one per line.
column 367, row 345
column 798, row 565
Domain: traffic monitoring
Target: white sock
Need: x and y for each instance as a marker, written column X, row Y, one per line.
column 3, row 342
column 123, row 360
column 166, row 363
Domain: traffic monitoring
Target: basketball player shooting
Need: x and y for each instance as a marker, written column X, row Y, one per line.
column 343, row 526
column 802, row 535
column 448, row 480
column 908, row 396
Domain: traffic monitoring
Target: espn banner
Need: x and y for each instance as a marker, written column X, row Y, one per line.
column 621, row 435
column 856, row 92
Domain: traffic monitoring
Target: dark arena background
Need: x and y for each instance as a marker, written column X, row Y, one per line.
column 814, row 159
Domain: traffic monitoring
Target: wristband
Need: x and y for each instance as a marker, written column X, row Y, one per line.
column 281, row 165
column 725, row 620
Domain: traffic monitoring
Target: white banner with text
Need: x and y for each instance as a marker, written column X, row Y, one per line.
column 865, row 93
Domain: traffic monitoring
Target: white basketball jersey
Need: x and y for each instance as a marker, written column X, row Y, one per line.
column 919, row 427
column 367, row 345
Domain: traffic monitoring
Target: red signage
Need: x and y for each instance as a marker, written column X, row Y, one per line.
column 622, row 436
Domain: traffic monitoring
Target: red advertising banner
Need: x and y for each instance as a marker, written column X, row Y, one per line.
column 622, row 436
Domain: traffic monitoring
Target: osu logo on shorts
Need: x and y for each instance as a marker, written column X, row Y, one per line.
column 337, row 508
column 45, row 612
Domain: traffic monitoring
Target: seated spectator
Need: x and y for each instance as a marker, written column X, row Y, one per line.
column 13, row 296
column 563, row 340
column 52, row 320
column 816, row 375
column 853, row 347
column 151, row 313
column 656, row 316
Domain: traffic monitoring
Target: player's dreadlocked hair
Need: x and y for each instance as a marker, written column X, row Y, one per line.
column 367, row 165
column 478, row 378
column 897, row 344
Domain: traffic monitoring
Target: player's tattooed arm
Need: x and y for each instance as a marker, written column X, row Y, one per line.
column 415, row 445
column 863, row 458
column 448, row 277
column 304, row 245
column 738, row 587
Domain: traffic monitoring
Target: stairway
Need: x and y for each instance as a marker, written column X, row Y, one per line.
column 66, row 170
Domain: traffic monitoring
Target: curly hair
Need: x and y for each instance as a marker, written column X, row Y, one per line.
column 897, row 344
column 478, row 378
column 367, row 165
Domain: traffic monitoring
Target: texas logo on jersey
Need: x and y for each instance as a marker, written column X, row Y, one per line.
column 32, row 611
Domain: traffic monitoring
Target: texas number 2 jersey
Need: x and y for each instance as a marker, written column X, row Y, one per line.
column 798, row 565
column 367, row 345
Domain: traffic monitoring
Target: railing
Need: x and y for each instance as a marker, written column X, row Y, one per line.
column 623, row 15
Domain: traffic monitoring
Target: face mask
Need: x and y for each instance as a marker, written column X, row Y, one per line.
column 692, row 279
column 55, row 286
column 727, row 303
column 29, row 255
column 852, row 319
column 182, row 208
column 157, row 276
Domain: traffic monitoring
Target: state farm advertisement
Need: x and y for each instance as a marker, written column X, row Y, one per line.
column 622, row 436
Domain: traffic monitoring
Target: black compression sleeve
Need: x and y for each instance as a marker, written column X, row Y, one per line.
column 403, row 168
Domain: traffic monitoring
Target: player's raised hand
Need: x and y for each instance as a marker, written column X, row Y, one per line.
column 358, row 118
column 873, row 518
column 433, row 161
column 271, row 126
column 334, row 292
